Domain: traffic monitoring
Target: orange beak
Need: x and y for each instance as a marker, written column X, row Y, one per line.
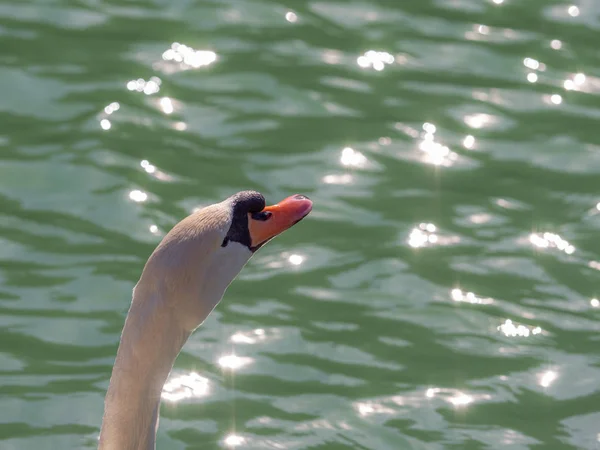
column 281, row 216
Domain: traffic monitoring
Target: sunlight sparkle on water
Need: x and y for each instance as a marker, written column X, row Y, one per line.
column 556, row 44
column 166, row 105
column 374, row 59
column 153, row 229
column 188, row 57
column 469, row 142
column 114, row 106
column 152, row 86
column 435, row 153
column 248, row 338
column 510, row 330
column 423, row 235
column 351, row 157
column 337, row 179
column 547, row 240
column 147, row 166
column 429, row 128
column 556, row 99
column 233, row 361
column 547, row 378
column 532, row 77
column 185, row 386
column 105, row 124
column 138, row 196
column 417, row 238
column 461, row 399
column 291, row 17
column 430, row 393
column 575, row 83
column 468, row 297
column 456, row 398
column 531, row 63
column 180, row 126
column 296, row 260
column 595, row 303
column 573, row 11
column 370, row 408
column 478, row 120
column 233, row 440
column 480, row 218
column 152, row 170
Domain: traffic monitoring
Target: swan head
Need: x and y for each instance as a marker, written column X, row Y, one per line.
column 197, row 260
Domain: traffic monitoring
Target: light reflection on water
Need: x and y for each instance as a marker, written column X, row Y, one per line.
column 234, row 440
column 138, row 196
column 291, row 17
column 185, row 386
column 249, row 338
column 509, row 329
column 458, row 295
column 187, row 57
column 113, row 107
column 345, row 178
column 233, row 362
column 351, row 157
column 479, row 120
column 105, row 124
column 422, row 235
column 469, row 141
column 427, row 235
column 152, row 170
column 456, row 398
column 376, row 60
column 415, row 308
column 152, row 86
column 573, row 11
column 369, row 408
column 166, row 104
column 547, row 378
column 551, row 240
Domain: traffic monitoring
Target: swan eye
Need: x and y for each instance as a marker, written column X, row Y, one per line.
column 225, row 242
column 262, row 216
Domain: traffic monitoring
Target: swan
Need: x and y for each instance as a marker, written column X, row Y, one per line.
column 183, row 280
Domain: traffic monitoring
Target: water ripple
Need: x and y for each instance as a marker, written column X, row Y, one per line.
column 441, row 294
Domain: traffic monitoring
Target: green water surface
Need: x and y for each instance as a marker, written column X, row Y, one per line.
column 442, row 294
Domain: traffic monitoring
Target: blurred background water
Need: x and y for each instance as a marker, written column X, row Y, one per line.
column 442, row 294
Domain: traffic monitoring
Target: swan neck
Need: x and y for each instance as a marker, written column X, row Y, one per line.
column 150, row 342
